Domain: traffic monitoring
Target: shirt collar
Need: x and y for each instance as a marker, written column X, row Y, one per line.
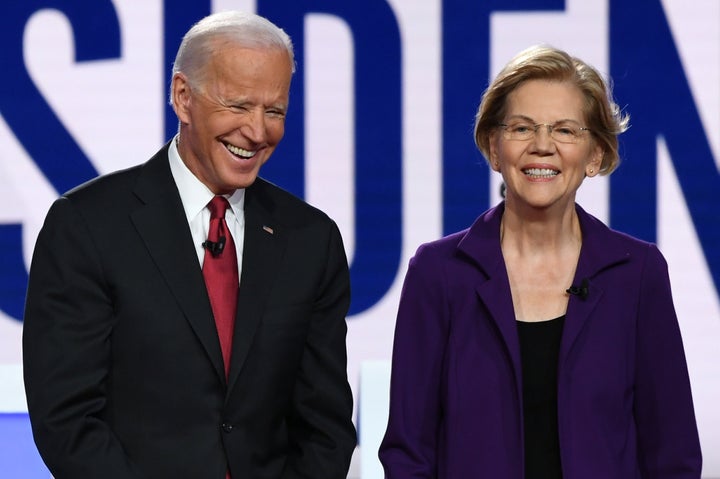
column 193, row 193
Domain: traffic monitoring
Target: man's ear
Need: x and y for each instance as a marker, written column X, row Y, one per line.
column 180, row 94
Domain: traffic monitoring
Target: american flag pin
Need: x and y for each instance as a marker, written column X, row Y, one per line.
column 268, row 229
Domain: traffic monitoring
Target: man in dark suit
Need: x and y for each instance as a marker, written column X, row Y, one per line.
column 127, row 373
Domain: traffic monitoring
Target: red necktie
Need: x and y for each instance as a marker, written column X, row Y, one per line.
column 220, row 270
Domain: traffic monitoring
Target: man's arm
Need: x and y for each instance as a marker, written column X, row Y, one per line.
column 66, row 352
column 321, row 431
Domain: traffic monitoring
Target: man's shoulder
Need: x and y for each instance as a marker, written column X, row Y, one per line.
column 105, row 183
column 123, row 181
column 283, row 205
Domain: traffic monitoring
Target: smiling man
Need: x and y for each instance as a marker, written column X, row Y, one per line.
column 186, row 318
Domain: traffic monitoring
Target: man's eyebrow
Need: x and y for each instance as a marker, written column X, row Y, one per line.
column 235, row 101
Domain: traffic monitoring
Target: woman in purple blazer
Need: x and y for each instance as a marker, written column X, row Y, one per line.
column 539, row 343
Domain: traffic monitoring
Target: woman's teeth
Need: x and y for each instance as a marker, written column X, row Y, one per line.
column 540, row 172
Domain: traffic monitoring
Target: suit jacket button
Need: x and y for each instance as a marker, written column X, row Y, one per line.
column 227, row 427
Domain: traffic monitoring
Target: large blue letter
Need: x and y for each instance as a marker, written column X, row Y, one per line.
column 647, row 70
column 378, row 150
column 52, row 148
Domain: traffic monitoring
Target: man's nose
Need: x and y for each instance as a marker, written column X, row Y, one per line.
column 255, row 127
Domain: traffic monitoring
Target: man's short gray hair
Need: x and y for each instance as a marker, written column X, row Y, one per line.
column 236, row 27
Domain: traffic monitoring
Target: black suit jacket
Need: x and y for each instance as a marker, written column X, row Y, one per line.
column 123, row 369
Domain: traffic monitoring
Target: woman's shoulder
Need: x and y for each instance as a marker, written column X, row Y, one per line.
column 479, row 243
column 601, row 236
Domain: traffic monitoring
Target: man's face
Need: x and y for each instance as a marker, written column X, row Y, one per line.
column 232, row 122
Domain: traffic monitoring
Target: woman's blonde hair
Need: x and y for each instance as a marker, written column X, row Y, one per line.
column 603, row 117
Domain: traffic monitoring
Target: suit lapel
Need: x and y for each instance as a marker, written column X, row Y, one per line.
column 162, row 225
column 264, row 244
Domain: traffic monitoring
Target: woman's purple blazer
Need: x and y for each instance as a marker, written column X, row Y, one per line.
column 624, row 403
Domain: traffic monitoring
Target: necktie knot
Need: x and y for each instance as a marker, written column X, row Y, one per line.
column 217, row 206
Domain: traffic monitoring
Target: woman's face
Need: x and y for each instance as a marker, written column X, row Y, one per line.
column 543, row 170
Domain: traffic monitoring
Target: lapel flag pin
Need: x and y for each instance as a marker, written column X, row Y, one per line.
column 268, row 229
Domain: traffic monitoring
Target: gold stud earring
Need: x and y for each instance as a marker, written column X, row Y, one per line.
column 592, row 171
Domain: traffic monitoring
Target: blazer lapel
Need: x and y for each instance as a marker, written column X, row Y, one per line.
column 264, row 244
column 597, row 254
column 495, row 295
column 162, row 225
column 482, row 244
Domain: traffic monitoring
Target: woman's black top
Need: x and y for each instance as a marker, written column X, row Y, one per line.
column 539, row 350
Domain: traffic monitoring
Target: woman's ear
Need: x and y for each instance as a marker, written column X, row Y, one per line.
column 593, row 167
column 494, row 156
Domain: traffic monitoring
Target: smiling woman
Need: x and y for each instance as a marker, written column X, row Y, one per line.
column 539, row 325
column 529, row 157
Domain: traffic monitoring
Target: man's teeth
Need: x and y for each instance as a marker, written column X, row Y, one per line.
column 540, row 172
column 235, row 150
